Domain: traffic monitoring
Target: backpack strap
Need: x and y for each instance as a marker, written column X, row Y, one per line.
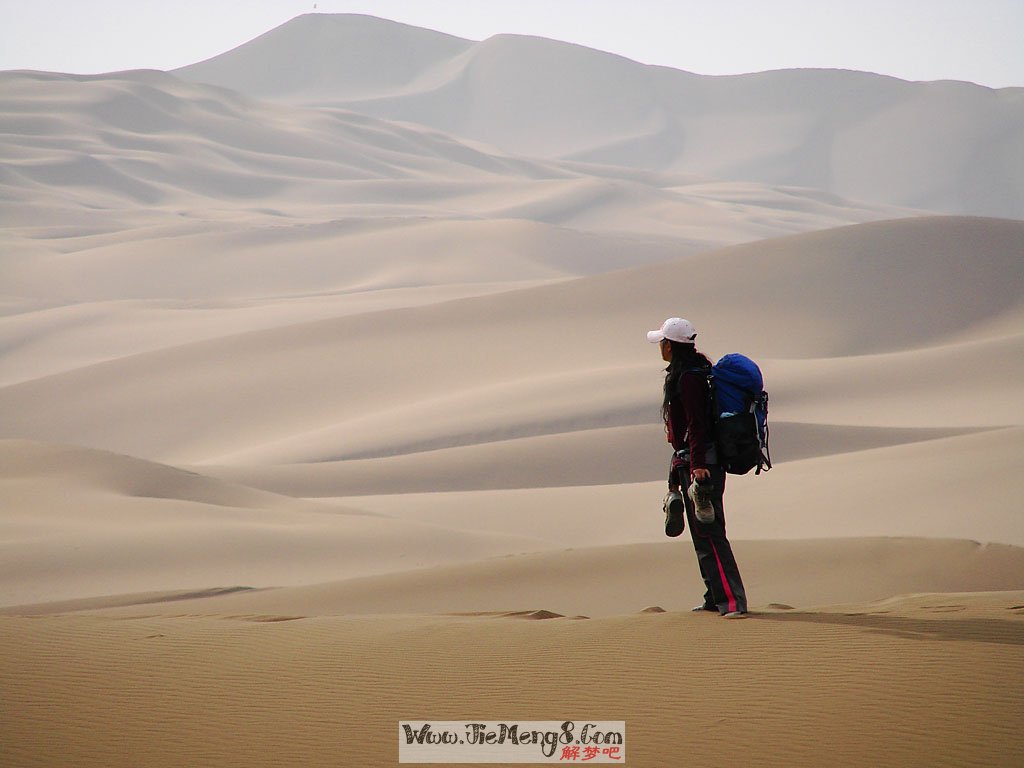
column 766, row 453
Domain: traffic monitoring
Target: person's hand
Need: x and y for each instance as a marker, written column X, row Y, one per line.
column 700, row 473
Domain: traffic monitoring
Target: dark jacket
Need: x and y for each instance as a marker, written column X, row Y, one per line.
column 688, row 423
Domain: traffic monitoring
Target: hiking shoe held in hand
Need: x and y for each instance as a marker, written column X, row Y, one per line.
column 701, row 491
column 675, row 514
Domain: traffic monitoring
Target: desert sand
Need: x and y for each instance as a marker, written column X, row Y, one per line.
column 893, row 682
column 325, row 402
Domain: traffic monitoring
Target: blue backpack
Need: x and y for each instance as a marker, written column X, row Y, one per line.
column 739, row 415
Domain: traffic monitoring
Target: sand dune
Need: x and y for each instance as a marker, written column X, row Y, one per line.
column 79, row 523
column 149, row 139
column 604, row 581
column 945, row 146
column 42, row 341
column 962, row 487
column 122, row 525
column 457, row 373
column 471, row 427
column 348, row 53
column 588, row 456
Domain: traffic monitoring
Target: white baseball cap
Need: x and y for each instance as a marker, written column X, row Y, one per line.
column 674, row 329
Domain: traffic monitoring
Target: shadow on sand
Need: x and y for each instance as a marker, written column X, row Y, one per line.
column 1009, row 631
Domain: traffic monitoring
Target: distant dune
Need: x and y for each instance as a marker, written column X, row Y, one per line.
column 144, row 212
column 944, row 146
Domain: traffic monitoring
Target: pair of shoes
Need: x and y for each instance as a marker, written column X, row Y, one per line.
column 701, row 491
column 703, row 607
column 675, row 514
column 735, row 615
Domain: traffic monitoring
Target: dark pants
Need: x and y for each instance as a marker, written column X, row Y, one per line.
column 718, row 567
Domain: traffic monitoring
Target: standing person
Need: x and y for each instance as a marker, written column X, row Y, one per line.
column 696, row 482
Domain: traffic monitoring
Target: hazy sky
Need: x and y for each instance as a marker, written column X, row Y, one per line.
column 975, row 40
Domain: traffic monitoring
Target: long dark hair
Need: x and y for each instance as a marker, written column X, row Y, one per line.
column 685, row 357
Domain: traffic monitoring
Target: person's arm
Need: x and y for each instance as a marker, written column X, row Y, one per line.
column 693, row 390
